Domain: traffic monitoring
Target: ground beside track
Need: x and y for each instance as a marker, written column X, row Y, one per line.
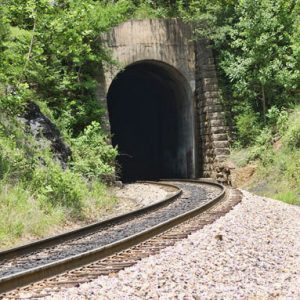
column 124, row 199
column 253, row 252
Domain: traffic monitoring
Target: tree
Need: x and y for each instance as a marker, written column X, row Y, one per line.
column 54, row 49
column 261, row 63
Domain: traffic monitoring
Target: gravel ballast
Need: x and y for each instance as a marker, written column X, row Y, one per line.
column 143, row 194
column 193, row 196
column 253, row 252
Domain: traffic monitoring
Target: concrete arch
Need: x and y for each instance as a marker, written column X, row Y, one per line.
column 152, row 121
column 170, row 42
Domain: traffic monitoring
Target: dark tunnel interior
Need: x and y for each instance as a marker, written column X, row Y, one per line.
column 151, row 121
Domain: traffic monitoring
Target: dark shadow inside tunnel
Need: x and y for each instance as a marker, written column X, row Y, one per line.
column 150, row 108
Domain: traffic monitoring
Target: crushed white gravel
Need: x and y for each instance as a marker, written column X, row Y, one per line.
column 144, row 194
column 257, row 258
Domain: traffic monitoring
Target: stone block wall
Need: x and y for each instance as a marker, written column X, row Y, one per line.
column 213, row 145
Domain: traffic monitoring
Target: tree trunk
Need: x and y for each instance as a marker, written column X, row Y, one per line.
column 263, row 100
column 29, row 50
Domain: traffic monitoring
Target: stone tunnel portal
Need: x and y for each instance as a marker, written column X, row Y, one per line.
column 151, row 116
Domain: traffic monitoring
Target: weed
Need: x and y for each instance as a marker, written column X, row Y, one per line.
column 288, row 197
column 277, row 174
column 21, row 215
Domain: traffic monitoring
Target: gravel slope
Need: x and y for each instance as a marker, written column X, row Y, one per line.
column 258, row 257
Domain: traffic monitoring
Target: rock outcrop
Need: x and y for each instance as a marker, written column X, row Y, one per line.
column 45, row 132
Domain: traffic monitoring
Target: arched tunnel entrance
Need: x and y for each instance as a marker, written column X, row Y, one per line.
column 151, row 115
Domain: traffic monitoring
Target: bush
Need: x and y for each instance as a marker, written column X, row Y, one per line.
column 247, row 127
column 291, row 137
column 35, row 192
column 52, row 185
column 16, row 156
column 93, row 157
column 277, row 119
column 277, row 168
column 262, row 146
column 14, row 98
column 24, row 163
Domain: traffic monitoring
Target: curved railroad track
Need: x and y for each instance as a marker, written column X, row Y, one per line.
column 101, row 247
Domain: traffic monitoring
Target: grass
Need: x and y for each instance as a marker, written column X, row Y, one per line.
column 277, row 173
column 240, row 156
column 39, row 198
column 288, row 197
column 99, row 202
column 281, row 175
column 23, row 217
column 277, row 178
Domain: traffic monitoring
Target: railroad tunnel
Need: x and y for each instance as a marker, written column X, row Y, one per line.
column 151, row 115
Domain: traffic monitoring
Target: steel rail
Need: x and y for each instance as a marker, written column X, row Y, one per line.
column 73, row 234
column 27, row 277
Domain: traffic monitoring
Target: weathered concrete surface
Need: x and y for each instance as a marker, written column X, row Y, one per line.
column 168, row 41
column 171, row 42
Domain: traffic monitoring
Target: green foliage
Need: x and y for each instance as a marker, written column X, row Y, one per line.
column 212, row 19
column 261, row 148
column 257, row 49
column 55, row 49
column 23, row 162
column 21, row 214
column 16, row 151
column 281, row 175
column 98, row 201
column 36, row 193
column 51, row 184
column 296, row 33
column 155, row 9
column 292, row 135
column 279, row 125
column 277, row 160
column 288, row 197
column 3, row 36
column 277, row 119
column 260, row 63
column 145, row 9
column 92, row 156
column 247, row 127
column 12, row 102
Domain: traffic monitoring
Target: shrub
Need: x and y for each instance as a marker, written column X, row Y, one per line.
column 291, row 138
column 93, row 157
column 277, row 119
column 51, row 184
column 247, row 127
column 16, row 157
column 24, row 163
column 262, row 147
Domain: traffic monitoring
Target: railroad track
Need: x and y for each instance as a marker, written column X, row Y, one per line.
column 106, row 247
